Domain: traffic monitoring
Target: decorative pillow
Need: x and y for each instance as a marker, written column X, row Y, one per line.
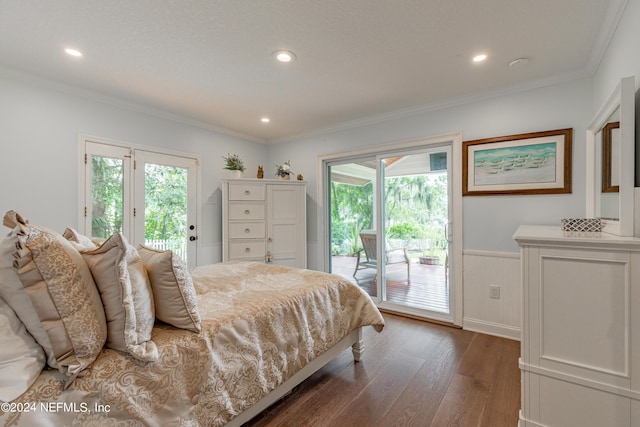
column 21, row 357
column 79, row 241
column 62, row 293
column 173, row 291
column 127, row 297
column 13, row 293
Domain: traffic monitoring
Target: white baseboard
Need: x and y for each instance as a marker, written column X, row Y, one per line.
column 490, row 328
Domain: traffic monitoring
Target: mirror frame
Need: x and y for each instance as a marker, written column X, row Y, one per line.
column 623, row 97
column 607, row 152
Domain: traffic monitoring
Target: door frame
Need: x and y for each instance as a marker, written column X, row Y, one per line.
column 455, row 141
column 83, row 139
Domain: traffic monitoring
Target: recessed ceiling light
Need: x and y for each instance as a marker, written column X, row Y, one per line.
column 284, row 55
column 265, row 120
column 479, row 58
column 73, row 52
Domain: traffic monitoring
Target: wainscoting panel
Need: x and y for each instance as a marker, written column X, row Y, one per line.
column 482, row 313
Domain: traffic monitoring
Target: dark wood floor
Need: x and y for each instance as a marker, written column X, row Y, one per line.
column 413, row 373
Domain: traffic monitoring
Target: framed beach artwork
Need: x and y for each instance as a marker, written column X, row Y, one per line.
column 530, row 163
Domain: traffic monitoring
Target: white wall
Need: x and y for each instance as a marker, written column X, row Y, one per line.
column 40, row 123
column 622, row 59
column 489, row 222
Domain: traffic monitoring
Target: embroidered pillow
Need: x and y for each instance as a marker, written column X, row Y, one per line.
column 21, row 357
column 62, row 293
column 173, row 291
column 127, row 297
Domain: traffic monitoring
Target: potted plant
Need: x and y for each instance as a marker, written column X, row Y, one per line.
column 284, row 171
column 430, row 259
column 234, row 163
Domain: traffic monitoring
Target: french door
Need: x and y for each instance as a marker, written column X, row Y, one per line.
column 392, row 222
column 150, row 197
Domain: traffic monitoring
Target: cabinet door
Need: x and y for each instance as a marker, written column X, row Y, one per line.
column 286, row 225
column 583, row 313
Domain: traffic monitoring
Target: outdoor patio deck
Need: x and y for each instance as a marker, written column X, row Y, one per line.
column 427, row 290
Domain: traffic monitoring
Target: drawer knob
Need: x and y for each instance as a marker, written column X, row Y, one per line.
column 247, row 192
column 247, row 250
column 247, row 230
column 247, row 211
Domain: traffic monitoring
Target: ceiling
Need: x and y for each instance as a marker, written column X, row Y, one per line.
column 210, row 63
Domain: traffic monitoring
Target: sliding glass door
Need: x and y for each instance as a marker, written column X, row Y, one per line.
column 390, row 224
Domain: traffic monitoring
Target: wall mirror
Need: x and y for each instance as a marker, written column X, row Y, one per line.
column 610, row 161
column 611, row 157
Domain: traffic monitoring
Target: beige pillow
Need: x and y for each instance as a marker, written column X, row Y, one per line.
column 173, row 291
column 21, row 357
column 63, row 294
column 79, row 241
column 127, row 297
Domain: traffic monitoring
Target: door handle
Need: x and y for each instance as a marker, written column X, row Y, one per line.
column 193, row 238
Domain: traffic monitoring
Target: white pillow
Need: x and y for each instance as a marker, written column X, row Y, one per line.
column 21, row 357
column 13, row 293
column 173, row 292
column 127, row 297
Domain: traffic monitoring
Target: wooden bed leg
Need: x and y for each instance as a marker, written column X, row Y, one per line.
column 358, row 347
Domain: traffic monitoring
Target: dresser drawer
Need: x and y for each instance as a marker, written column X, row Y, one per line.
column 247, row 249
column 246, row 211
column 246, row 230
column 242, row 191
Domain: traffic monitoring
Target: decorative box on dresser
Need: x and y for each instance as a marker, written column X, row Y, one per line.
column 580, row 357
column 264, row 220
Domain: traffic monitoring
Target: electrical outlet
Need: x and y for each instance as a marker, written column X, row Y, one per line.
column 494, row 292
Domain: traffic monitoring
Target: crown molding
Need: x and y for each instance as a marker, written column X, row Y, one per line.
column 120, row 103
column 610, row 23
column 438, row 105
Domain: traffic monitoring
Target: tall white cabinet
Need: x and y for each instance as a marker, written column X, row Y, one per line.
column 264, row 220
column 580, row 359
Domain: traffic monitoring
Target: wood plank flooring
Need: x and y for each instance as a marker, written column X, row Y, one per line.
column 427, row 290
column 413, row 373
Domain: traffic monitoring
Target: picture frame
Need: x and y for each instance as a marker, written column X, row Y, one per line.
column 611, row 158
column 529, row 163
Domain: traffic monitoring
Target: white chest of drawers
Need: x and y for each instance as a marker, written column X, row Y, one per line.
column 264, row 220
column 580, row 358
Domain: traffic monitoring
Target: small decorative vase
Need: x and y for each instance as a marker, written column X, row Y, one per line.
column 285, row 178
column 235, row 174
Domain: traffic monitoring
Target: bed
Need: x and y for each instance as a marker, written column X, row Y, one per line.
column 259, row 330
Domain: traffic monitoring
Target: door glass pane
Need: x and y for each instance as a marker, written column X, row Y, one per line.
column 416, row 214
column 107, row 196
column 165, row 225
column 352, row 193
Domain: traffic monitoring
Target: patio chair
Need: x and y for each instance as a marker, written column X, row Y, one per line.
column 370, row 258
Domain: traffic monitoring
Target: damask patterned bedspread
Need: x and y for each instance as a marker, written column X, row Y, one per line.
column 260, row 325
